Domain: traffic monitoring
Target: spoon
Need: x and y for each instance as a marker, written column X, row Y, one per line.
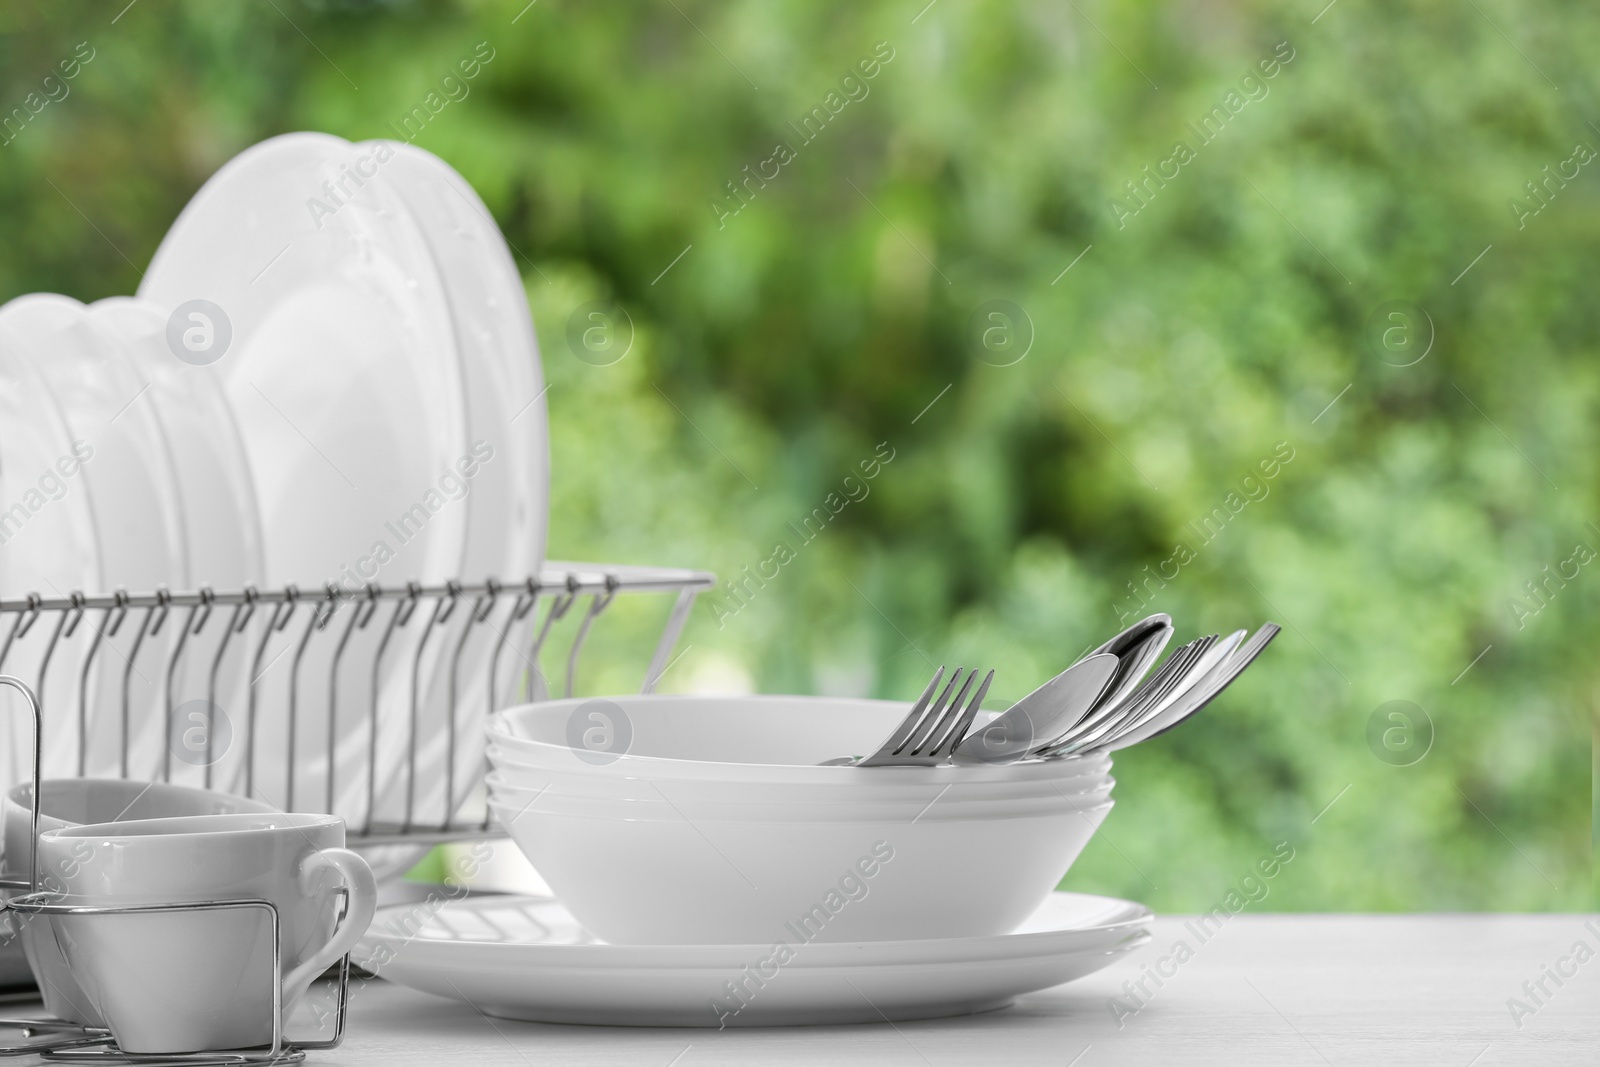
column 1137, row 647
column 1180, row 671
column 1042, row 715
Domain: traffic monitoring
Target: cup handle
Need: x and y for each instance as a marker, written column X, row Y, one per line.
column 362, row 891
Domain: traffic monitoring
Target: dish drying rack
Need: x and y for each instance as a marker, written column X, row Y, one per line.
column 298, row 618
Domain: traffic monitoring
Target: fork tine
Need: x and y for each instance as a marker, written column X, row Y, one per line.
column 1231, row 668
column 1177, row 678
column 927, row 742
column 1151, row 691
column 1172, row 690
column 913, row 717
column 930, row 719
column 1192, row 702
column 1169, row 685
column 958, row 732
column 1092, row 722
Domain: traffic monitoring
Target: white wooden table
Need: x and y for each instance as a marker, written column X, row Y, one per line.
column 1266, row 989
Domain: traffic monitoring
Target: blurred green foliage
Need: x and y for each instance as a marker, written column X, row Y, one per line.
column 1230, row 311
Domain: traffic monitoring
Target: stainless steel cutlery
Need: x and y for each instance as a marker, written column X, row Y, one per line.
column 1199, row 696
column 931, row 729
column 1048, row 711
column 1102, row 703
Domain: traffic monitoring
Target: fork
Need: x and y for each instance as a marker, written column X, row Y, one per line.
column 931, row 729
column 1155, row 688
column 1205, row 691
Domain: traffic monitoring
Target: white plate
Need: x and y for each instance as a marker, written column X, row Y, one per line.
column 343, row 376
column 220, row 519
column 341, row 370
column 47, row 537
column 140, row 540
column 526, row 958
column 52, row 546
column 222, row 530
column 507, row 496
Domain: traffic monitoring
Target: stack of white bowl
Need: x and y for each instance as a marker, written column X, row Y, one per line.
column 708, row 820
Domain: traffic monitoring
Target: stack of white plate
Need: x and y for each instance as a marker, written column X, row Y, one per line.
column 711, row 872
column 329, row 375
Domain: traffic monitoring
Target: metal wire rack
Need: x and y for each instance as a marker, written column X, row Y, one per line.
column 57, row 1040
column 393, row 673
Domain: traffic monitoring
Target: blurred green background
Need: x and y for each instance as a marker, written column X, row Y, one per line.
column 1071, row 376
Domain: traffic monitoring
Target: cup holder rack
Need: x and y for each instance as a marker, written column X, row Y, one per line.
column 58, row 1041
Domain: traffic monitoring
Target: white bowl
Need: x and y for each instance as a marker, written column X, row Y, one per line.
column 67, row 802
column 863, row 786
column 743, row 739
column 694, row 802
column 756, row 844
column 660, row 875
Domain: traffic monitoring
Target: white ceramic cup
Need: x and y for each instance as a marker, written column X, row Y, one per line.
column 74, row 802
column 171, row 982
column 79, row 801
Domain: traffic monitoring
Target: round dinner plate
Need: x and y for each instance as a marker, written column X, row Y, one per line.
column 341, row 369
column 223, row 535
column 524, row 957
column 139, row 538
column 384, row 372
column 47, row 541
column 334, row 348
column 506, row 496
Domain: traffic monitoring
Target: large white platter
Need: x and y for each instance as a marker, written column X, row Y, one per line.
column 522, row 957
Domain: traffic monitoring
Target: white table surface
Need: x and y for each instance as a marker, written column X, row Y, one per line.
column 1266, row 989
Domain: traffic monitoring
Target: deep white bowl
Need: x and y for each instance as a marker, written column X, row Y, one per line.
column 844, row 785
column 743, row 739
column 757, row 844
column 719, row 802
